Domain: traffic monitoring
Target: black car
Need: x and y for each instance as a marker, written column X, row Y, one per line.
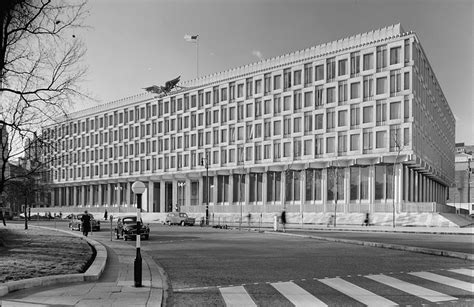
column 127, row 228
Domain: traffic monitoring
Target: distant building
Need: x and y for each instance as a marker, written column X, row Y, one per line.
column 461, row 194
column 273, row 134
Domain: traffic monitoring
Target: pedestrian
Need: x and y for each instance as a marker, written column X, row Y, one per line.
column 86, row 223
column 367, row 219
column 330, row 221
column 249, row 219
column 283, row 220
column 105, row 215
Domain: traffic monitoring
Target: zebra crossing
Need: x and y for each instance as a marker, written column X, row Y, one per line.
column 297, row 295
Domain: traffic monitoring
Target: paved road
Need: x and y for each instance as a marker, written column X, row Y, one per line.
column 209, row 267
column 216, row 267
column 456, row 243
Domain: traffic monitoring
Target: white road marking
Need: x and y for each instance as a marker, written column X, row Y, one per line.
column 466, row 286
column 357, row 293
column 427, row 294
column 236, row 296
column 468, row 272
column 297, row 295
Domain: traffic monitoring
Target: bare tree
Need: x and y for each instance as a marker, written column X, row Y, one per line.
column 396, row 145
column 335, row 175
column 40, row 70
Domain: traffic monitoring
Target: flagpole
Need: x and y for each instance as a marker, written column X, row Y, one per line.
column 197, row 57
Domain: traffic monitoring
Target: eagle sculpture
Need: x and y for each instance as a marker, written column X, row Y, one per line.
column 166, row 89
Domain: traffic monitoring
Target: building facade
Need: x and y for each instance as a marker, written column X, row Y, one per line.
column 355, row 125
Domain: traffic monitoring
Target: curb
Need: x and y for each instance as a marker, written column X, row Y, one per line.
column 93, row 273
column 422, row 250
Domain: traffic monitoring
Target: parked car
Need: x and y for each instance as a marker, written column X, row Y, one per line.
column 76, row 223
column 179, row 218
column 127, row 228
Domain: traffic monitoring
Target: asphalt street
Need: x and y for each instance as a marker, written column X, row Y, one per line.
column 216, row 267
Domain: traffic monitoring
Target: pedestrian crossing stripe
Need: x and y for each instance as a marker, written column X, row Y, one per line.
column 297, row 295
column 468, row 272
column 445, row 280
column 237, row 296
column 427, row 294
column 357, row 293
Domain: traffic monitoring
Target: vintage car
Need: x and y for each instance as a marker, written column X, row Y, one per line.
column 127, row 228
column 179, row 218
column 76, row 223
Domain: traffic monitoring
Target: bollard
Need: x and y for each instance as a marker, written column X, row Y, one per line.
column 275, row 223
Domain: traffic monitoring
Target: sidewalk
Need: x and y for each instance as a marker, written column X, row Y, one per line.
column 115, row 287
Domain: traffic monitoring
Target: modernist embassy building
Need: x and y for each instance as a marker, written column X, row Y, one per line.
column 361, row 122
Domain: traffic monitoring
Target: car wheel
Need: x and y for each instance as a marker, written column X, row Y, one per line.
column 182, row 223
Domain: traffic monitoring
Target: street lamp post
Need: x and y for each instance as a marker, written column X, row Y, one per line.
column 181, row 185
column 138, row 188
column 205, row 162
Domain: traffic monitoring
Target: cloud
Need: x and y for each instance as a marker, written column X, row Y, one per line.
column 258, row 54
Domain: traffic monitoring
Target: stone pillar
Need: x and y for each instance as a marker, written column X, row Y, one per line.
column 151, row 197
column 67, row 196
column 60, row 196
column 371, row 182
column 201, row 192
column 214, row 190
column 415, row 186
column 128, row 194
column 91, row 195
column 264, row 188
column 324, row 187
column 347, row 188
column 247, row 189
column 109, row 194
column 162, row 196
column 283, row 188
column 83, row 195
column 231, row 189
column 99, row 195
column 52, row 197
column 187, row 192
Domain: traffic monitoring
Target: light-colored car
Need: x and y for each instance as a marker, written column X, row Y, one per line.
column 179, row 218
column 76, row 223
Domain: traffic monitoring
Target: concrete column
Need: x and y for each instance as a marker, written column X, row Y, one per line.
column 264, row 188
column 283, row 188
column 247, row 189
column 162, row 197
column 151, row 196
column 347, row 188
column 67, row 196
column 74, row 196
column 83, row 195
column 371, row 182
column 99, row 195
column 128, row 194
column 324, row 187
column 109, row 194
column 52, row 197
column 302, row 192
column 214, row 190
column 60, row 196
column 399, row 186
column 202, row 190
column 231, row 189
column 187, row 192
column 91, row 195
column 415, row 186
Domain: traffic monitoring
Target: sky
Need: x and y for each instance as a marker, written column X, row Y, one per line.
column 135, row 44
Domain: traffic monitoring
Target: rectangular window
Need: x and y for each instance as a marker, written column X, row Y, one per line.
column 342, row 67
column 286, row 125
column 364, row 183
column 368, row 90
column 355, row 63
column 381, row 111
column 342, row 143
column 297, row 100
column 308, row 147
column 355, row 115
column 380, row 139
column 342, row 118
column 395, row 109
column 286, row 79
column 354, row 183
column 395, row 82
column 308, row 99
column 277, row 128
column 318, row 121
column 276, row 104
column 308, row 74
column 367, row 114
column 355, row 90
column 331, row 69
column 319, row 71
column 330, row 119
column 406, row 81
column 286, row 103
column 367, row 139
column 297, row 124
column 330, row 142
column 342, row 91
column 368, row 61
column 267, row 84
column 297, row 77
column 308, row 122
column 277, row 82
column 355, row 138
column 379, row 182
column 258, row 86
column 406, row 50
column 319, row 96
column 381, row 57
column 319, row 146
column 381, row 85
column 331, row 94
column 395, row 55
column 267, row 106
